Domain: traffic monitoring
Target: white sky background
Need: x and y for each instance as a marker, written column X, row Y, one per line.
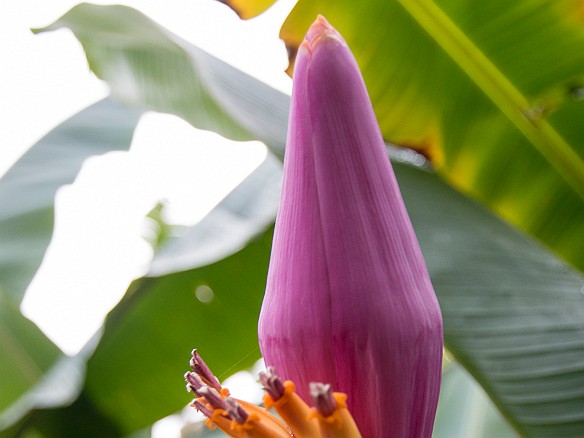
column 44, row 80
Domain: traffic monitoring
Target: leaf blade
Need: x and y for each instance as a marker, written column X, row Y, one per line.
column 500, row 90
column 28, row 189
column 137, row 346
column 26, row 354
column 149, row 67
column 513, row 314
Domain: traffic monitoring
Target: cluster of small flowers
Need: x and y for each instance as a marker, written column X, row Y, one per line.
column 237, row 418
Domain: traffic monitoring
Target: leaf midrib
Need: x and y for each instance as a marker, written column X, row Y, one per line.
column 500, row 90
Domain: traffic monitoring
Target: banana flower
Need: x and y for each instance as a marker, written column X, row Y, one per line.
column 348, row 299
column 237, row 418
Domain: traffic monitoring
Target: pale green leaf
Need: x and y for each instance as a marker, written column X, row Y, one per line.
column 27, row 190
column 149, row 67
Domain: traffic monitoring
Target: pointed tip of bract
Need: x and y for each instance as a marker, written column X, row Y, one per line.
column 321, row 31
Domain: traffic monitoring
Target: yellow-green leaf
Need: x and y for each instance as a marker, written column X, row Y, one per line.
column 490, row 91
column 248, row 9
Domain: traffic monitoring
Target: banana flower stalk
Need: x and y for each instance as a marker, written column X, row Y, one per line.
column 348, row 299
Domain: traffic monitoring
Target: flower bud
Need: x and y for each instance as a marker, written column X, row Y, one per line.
column 348, row 300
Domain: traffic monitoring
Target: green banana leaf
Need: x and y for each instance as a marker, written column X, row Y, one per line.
column 490, row 92
column 32, row 364
column 170, row 75
column 513, row 313
column 27, row 193
column 26, row 354
column 146, row 346
column 135, row 376
column 35, row 373
column 27, row 190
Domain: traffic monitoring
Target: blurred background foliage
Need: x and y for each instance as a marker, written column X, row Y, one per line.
column 490, row 95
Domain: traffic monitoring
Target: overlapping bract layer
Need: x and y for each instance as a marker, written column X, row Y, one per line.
column 349, row 300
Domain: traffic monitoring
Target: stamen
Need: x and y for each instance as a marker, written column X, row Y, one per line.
column 323, row 399
column 215, row 417
column 236, row 411
column 340, row 423
column 194, row 383
column 267, row 419
column 272, row 383
column 240, row 419
column 202, row 408
column 200, row 367
column 290, row 407
column 213, row 398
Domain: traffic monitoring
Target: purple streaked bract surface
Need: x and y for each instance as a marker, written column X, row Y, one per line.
column 349, row 300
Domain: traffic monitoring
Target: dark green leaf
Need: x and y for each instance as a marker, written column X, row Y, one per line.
column 26, row 355
column 513, row 314
column 80, row 419
column 136, row 374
